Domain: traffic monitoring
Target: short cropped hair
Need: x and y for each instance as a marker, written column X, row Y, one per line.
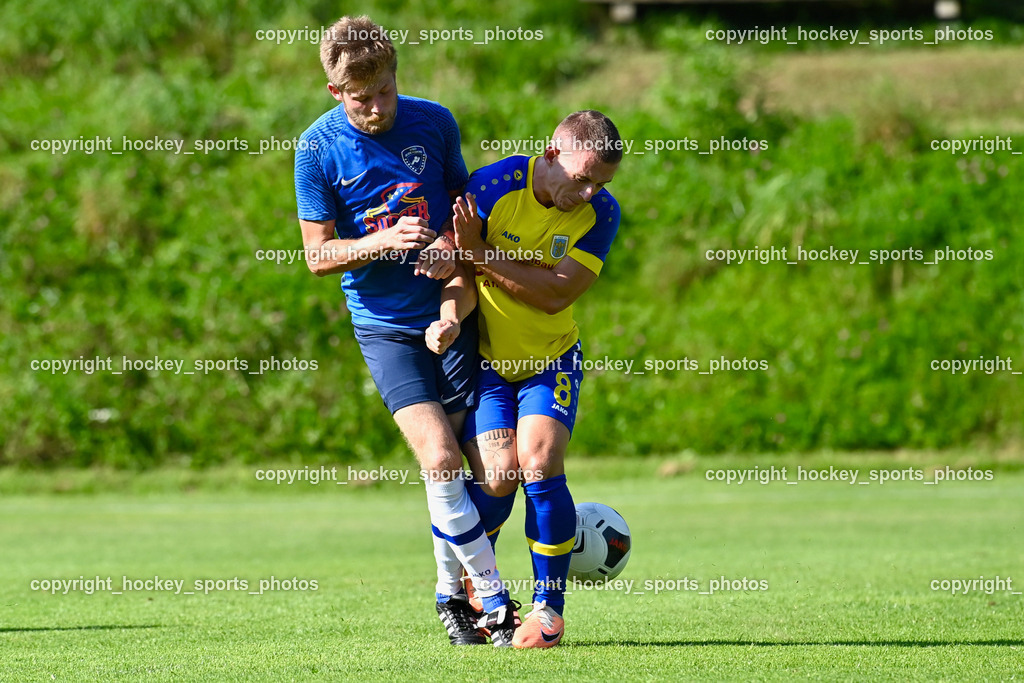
column 356, row 50
column 592, row 130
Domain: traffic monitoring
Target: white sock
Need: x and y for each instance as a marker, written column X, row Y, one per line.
column 449, row 569
column 454, row 515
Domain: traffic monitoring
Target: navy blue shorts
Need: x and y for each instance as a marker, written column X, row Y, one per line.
column 406, row 372
column 555, row 392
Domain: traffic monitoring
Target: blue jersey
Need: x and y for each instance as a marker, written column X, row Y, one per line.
column 365, row 183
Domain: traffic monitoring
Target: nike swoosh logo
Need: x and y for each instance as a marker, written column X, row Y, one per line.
column 552, row 638
column 346, row 183
column 444, row 403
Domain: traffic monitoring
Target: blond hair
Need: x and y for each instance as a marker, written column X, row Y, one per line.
column 356, row 50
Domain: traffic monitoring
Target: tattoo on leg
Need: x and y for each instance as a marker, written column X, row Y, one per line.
column 499, row 440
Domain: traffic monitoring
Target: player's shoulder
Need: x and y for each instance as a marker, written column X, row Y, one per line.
column 492, row 183
column 507, row 175
column 599, row 223
column 606, row 207
column 426, row 111
column 330, row 124
column 324, row 132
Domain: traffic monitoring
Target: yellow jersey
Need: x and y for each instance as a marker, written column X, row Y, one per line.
column 517, row 224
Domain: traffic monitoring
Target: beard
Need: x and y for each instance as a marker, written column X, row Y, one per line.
column 374, row 125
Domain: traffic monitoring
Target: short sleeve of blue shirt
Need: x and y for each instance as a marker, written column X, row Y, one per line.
column 312, row 191
column 455, row 173
column 598, row 240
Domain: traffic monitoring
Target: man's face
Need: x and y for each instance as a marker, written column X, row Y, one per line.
column 371, row 107
column 576, row 176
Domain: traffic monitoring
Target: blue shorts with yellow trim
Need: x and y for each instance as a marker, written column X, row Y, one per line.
column 555, row 392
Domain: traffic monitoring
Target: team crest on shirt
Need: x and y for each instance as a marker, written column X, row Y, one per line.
column 559, row 245
column 415, row 158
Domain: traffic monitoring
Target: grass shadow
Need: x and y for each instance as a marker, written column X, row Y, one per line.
column 791, row 643
column 95, row 627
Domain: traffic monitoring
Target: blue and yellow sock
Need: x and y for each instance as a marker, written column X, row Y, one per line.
column 550, row 533
column 494, row 510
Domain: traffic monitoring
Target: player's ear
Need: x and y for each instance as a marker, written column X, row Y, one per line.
column 335, row 91
column 551, row 152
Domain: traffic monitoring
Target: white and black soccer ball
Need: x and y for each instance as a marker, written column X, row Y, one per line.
column 602, row 543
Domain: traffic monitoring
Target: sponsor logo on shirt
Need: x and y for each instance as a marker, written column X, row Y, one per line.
column 397, row 201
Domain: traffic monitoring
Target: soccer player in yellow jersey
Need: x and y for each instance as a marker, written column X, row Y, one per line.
column 538, row 230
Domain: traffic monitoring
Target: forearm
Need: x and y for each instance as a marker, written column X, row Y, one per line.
column 340, row 256
column 539, row 287
column 459, row 296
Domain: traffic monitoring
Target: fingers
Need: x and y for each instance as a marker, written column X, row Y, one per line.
column 411, row 221
column 420, row 266
column 418, row 238
column 433, row 337
column 445, row 340
column 465, row 220
column 409, row 237
column 439, row 270
column 442, row 264
column 439, row 336
column 465, row 207
column 436, row 263
column 459, row 210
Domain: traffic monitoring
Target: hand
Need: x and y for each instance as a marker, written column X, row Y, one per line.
column 436, row 261
column 441, row 334
column 406, row 235
column 467, row 224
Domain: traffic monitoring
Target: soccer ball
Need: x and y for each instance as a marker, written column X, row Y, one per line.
column 602, row 543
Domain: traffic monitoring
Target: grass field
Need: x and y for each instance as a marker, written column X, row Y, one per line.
column 147, row 474
column 848, row 571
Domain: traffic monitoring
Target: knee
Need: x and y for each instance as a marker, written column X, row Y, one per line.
column 501, row 483
column 537, row 465
column 441, row 464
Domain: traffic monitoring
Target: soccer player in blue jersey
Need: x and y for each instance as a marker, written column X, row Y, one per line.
column 538, row 230
column 374, row 181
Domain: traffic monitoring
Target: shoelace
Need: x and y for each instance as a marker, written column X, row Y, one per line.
column 462, row 619
column 541, row 610
column 492, row 619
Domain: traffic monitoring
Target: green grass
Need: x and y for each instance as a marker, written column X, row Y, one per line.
column 848, row 571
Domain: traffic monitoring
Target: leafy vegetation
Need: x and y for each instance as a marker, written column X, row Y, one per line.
column 154, row 254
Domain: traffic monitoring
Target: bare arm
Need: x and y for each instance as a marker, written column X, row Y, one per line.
column 326, row 254
column 551, row 291
column 458, row 299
